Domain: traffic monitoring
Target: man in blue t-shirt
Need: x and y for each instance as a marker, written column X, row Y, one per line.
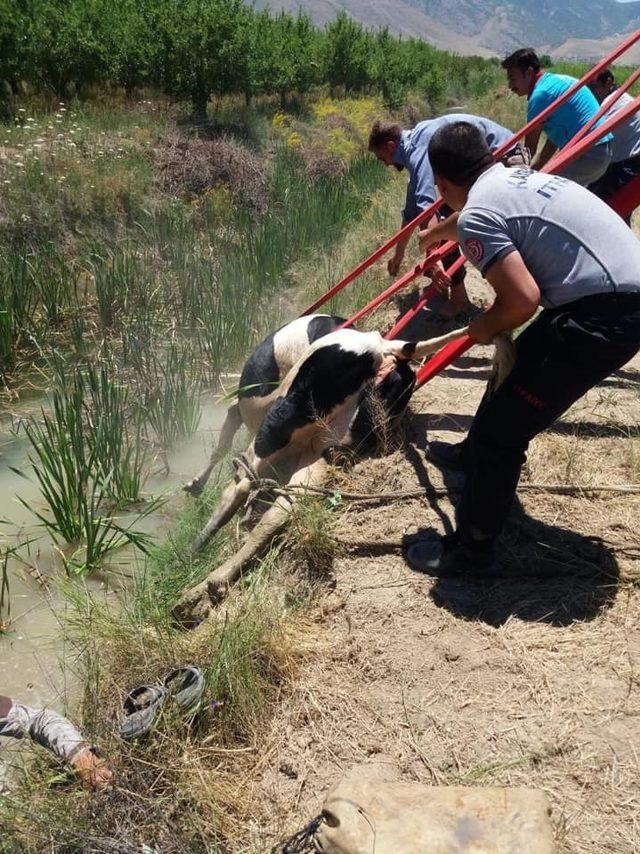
column 541, row 89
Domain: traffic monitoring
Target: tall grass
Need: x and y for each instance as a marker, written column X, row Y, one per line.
column 171, row 393
column 5, row 592
column 114, row 433
column 85, row 463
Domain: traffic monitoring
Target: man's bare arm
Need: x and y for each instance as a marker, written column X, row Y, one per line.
column 445, row 230
column 532, row 139
column 394, row 263
column 541, row 159
column 517, row 298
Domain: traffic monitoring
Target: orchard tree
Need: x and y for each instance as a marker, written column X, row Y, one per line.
column 285, row 54
column 346, row 49
column 130, row 33
column 66, row 43
column 15, row 30
column 203, row 49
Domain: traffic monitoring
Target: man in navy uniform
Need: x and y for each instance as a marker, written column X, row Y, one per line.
column 539, row 240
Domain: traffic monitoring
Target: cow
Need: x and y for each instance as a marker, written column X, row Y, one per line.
column 269, row 363
column 310, row 411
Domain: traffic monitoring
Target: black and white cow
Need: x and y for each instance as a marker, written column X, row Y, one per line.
column 272, row 359
column 314, row 408
column 268, row 363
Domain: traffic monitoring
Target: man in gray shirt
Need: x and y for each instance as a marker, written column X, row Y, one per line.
column 625, row 159
column 538, row 239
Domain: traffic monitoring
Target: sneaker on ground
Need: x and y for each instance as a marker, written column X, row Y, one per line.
column 448, row 456
column 446, row 556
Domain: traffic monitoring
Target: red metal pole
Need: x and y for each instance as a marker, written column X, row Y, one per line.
column 357, row 271
column 428, row 212
column 568, row 155
column 420, row 268
column 627, row 199
column 427, row 295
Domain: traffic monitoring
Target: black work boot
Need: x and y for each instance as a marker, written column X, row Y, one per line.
column 448, row 456
column 447, row 556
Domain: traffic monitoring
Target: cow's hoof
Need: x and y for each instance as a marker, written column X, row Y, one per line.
column 194, row 487
column 217, row 591
column 190, row 614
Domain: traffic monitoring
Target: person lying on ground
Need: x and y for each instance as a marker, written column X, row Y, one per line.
column 542, row 88
column 57, row 734
column 408, row 149
column 625, row 157
column 538, row 239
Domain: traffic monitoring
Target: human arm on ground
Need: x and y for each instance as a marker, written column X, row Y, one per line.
column 57, row 734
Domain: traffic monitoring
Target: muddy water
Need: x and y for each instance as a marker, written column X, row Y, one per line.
column 35, row 667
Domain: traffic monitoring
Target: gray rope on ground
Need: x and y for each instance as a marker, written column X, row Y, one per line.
column 553, row 488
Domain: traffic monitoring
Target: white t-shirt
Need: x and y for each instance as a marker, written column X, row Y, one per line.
column 572, row 243
column 626, row 137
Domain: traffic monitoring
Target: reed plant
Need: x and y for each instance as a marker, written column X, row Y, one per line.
column 17, row 303
column 171, row 392
column 85, row 461
column 114, row 434
column 5, row 592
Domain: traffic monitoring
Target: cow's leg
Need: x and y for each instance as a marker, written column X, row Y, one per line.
column 195, row 602
column 232, row 498
column 231, row 425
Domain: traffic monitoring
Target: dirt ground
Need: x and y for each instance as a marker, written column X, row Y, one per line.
column 530, row 680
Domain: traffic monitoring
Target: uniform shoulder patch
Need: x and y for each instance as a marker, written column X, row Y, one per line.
column 474, row 249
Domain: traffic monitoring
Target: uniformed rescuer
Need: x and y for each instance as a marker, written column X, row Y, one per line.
column 625, row 157
column 539, row 240
column 408, row 149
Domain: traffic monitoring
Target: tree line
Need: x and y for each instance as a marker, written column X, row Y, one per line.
column 197, row 49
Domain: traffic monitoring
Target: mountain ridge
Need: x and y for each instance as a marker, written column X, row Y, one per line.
column 566, row 30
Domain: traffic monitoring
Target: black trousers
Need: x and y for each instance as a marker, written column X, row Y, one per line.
column 618, row 175
column 560, row 356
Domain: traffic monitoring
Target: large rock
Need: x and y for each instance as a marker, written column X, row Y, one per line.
column 364, row 816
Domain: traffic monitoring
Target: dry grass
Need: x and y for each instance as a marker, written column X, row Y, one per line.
column 189, row 166
column 187, row 785
column 528, row 681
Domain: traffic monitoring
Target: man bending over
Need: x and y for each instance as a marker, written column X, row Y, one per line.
column 408, row 149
